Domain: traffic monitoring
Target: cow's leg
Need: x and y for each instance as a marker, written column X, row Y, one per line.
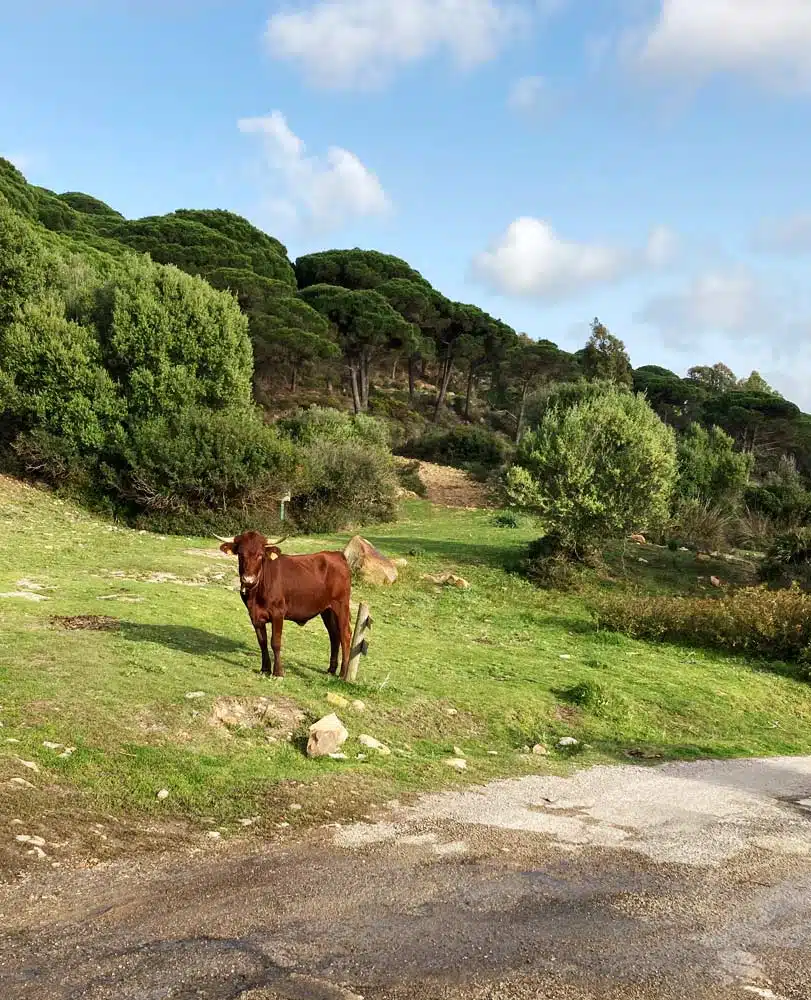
column 262, row 636
column 276, row 645
column 331, row 622
column 342, row 616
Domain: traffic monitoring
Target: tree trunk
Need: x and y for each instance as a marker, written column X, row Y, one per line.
column 394, row 369
column 470, row 377
column 424, row 370
column 293, row 377
column 364, row 382
column 521, row 410
column 445, row 378
column 353, row 379
column 411, row 375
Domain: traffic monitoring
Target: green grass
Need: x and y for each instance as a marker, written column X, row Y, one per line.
column 520, row 665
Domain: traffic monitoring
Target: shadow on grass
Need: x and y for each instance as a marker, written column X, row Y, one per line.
column 503, row 557
column 184, row 639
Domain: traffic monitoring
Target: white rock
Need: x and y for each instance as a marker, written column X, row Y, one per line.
column 20, row 783
column 295, row 807
column 565, row 656
column 214, row 835
column 195, row 694
column 568, row 741
column 163, row 794
column 25, row 838
column 29, row 764
column 450, row 712
column 52, row 746
column 339, row 756
column 457, row 762
column 540, row 750
column 373, row 744
column 459, row 753
column 358, row 705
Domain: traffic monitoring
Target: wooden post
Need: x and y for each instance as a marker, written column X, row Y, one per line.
column 360, row 645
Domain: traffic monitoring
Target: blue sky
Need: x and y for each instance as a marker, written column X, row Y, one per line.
column 644, row 161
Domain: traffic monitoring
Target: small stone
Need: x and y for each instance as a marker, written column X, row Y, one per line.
column 195, row 694
column 326, row 736
column 10, row 739
column 163, row 794
column 363, row 756
column 457, row 762
column 29, row 764
column 640, row 559
column 638, row 538
column 568, row 741
column 450, row 712
column 493, row 753
column 20, row 783
column 338, row 756
column 67, row 752
column 37, row 851
column 459, row 753
column 52, row 746
column 337, row 699
column 214, row 835
column 295, row 807
column 358, row 705
column 565, row 656
column 715, row 581
column 282, row 826
column 25, row 838
column 248, row 822
column 540, row 750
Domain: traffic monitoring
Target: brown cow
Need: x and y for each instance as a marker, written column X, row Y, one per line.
column 276, row 588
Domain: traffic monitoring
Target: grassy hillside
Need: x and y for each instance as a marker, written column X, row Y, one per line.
column 484, row 670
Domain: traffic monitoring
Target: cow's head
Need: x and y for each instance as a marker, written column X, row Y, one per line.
column 250, row 548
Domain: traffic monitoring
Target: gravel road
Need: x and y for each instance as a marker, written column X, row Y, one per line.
column 680, row 881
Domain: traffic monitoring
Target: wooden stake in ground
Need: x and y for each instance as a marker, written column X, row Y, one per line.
column 360, row 645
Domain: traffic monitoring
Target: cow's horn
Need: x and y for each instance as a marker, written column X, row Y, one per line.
column 279, row 542
column 221, row 539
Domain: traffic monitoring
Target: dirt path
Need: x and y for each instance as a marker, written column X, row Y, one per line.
column 450, row 487
column 672, row 882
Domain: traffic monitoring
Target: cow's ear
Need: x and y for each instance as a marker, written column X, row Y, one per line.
column 273, row 551
column 228, row 548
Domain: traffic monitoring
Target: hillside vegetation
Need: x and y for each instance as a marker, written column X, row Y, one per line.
column 143, row 390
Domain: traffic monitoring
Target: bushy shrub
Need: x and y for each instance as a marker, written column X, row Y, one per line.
column 198, row 458
column 408, row 475
column 709, row 467
column 464, row 447
column 788, row 559
column 786, row 504
column 752, row 530
column 699, row 524
column 595, row 470
column 321, row 423
column 343, row 483
column 345, row 469
column 769, row 623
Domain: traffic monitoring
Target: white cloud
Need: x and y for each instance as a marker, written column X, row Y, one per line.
column 362, row 43
column 318, row 193
column 791, row 237
column 530, row 259
column 528, row 95
column 767, row 39
column 732, row 303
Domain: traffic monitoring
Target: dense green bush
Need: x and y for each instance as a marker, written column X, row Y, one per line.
column 770, row 623
column 785, row 504
column 465, row 447
column 788, row 559
column 710, row 469
column 345, row 469
column 595, row 470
